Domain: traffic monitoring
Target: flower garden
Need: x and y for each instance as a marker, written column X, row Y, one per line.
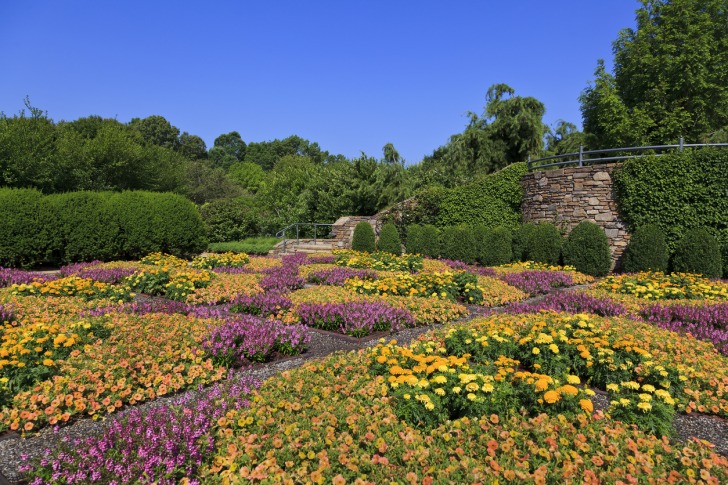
column 502, row 389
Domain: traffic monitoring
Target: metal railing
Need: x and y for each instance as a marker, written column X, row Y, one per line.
column 583, row 157
column 297, row 226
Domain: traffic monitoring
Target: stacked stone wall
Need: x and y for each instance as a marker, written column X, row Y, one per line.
column 567, row 196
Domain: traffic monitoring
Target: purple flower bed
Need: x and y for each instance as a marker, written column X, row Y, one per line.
column 282, row 280
column 479, row 270
column 6, row 314
column 708, row 322
column 262, row 304
column 321, row 259
column 537, row 282
column 337, row 276
column 10, row 276
column 571, row 302
column 159, row 444
column 76, row 268
column 357, row 319
column 92, row 271
column 254, row 339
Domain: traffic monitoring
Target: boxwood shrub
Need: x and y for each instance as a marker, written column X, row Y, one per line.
column 587, row 249
column 363, row 238
column 544, row 244
column 646, row 251
column 21, row 244
column 458, row 243
column 430, row 241
column 698, row 252
column 497, row 247
column 415, row 239
column 520, row 241
column 389, row 241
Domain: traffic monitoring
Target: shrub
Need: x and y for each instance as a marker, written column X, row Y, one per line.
column 544, row 244
column 134, row 213
column 520, row 241
column 677, row 192
column 587, row 249
column 229, row 220
column 180, row 228
column 81, row 227
column 363, row 239
column 698, row 252
column 458, row 243
column 389, row 241
column 480, row 232
column 497, row 247
column 415, row 239
column 646, row 251
column 430, row 241
column 20, row 228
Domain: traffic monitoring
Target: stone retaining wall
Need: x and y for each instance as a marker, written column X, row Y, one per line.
column 568, row 196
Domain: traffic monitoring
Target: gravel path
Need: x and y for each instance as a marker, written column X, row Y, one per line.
column 709, row 428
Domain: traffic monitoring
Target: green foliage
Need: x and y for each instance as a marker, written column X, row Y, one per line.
column 389, row 241
column 521, row 236
column 544, row 244
column 497, row 247
column 646, row 251
column 229, row 219
column 479, row 233
column 82, row 227
column 20, row 228
column 363, row 239
column 430, row 241
column 676, row 192
column 248, row 175
column 180, row 228
column 251, row 245
column 493, row 201
column 415, row 239
column 698, row 252
column 458, row 243
column 587, row 249
column 134, row 213
column 653, row 98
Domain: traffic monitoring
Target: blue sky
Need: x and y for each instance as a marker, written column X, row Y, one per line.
column 351, row 75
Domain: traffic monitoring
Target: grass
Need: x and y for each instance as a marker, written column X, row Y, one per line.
column 250, row 245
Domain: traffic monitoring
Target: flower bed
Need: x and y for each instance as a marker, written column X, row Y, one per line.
column 378, row 261
column 659, row 286
column 357, row 319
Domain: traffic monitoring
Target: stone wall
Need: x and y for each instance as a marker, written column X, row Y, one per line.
column 343, row 228
column 568, row 196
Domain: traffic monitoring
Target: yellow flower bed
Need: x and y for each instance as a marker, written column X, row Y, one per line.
column 216, row 260
column 497, row 292
column 161, row 259
column 576, row 277
column 224, row 287
column 659, row 286
column 378, row 260
column 259, row 263
column 73, row 286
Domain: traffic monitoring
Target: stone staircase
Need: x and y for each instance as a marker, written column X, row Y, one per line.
column 343, row 230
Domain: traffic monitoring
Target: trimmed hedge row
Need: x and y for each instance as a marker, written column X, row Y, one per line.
column 86, row 226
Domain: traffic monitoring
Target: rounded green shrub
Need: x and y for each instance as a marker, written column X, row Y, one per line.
column 646, row 251
column 480, row 232
column 20, row 228
column 180, row 228
column 363, row 239
column 544, row 244
column 587, row 249
column 520, row 241
column 415, row 239
column 81, row 227
column 698, row 252
column 137, row 220
column 389, row 241
column 229, row 220
column 497, row 247
column 430, row 241
column 458, row 243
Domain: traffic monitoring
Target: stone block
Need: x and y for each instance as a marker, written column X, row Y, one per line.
column 602, row 176
column 593, row 201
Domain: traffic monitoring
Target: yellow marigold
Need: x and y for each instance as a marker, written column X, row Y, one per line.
column 573, row 379
column 551, row 397
column 586, row 405
column 542, row 384
column 570, row 390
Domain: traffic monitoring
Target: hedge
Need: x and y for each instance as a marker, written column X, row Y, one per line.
column 698, row 252
column 389, row 241
column 497, row 247
column 544, row 244
column 587, row 249
column 677, row 192
column 230, row 220
column 646, row 251
column 83, row 226
column 363, row 238
column 458, row 243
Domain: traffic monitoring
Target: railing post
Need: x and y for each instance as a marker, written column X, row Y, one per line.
column 581, row 155
column 682, row 142
column 528, row 163
column 297, row 234
column 315, row 230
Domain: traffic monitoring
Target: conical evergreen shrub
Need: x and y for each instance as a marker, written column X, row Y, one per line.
column 587, row 249
column 363, row 239
column 646, row 251
column 389, row 241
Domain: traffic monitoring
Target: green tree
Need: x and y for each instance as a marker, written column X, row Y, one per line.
column 563, row 138
column 249, row 175
column 156, row 130
column 227, row 150
column 670, row 77
column 192, row 147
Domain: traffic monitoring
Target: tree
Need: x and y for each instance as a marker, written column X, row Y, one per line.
column 192, row 147
column 563, row 138
column 227, row 150
column 249, row 175
column 670, row 77
column 156, row 130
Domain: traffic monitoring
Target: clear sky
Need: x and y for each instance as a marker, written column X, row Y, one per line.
column 349, row 74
